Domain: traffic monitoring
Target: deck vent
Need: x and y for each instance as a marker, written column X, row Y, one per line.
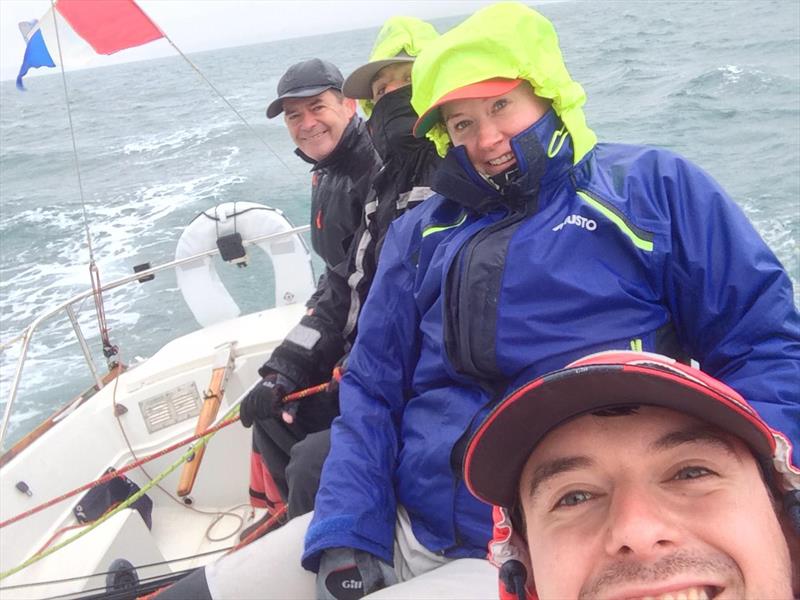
column 171, row 407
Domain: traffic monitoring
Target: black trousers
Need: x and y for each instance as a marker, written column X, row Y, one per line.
column 294, row 454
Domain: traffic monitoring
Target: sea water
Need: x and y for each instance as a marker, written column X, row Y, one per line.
column 718, row 82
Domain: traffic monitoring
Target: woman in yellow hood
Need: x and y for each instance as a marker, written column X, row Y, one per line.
column 539, row 247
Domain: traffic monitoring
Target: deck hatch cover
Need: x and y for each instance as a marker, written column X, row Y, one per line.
column 171, row 407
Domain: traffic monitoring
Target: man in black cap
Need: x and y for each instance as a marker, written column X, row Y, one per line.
column 629, row 475
column 331, row 137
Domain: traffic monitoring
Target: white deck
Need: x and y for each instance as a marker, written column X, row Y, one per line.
column 85, row 443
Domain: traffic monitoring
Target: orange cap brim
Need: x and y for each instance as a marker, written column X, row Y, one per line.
column 489, row 88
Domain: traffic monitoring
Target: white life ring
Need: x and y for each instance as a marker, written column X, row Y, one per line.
column 198, row 280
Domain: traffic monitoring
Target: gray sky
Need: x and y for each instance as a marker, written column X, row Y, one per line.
column 206, row 24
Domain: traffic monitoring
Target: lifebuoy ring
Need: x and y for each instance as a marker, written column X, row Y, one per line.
column 199, row 282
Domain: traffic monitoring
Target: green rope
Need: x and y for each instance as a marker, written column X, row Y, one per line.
column 201, row 442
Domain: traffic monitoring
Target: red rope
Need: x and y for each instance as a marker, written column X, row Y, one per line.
column 109, row 476
column 258, row 532
column 252, row 536
column 117, row 473
column 300, row 394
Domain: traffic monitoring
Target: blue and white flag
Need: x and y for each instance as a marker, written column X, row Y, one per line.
column 77, row 31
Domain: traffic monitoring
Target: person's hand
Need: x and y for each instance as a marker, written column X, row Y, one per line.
column 265, row 400
column 347, row 574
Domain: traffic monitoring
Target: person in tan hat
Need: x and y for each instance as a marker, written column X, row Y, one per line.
column 630, row 475
column 270, row 567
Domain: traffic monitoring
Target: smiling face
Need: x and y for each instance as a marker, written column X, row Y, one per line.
column 485, row 126
column 652, row 504
column 390, row 78
column 317, row 123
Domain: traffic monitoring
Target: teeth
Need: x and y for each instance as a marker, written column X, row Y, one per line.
column 693, row 593
column 501, row 160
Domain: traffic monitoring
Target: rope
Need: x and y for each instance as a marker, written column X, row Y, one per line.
column 251, row 537
column 170, row 561
column 218, row 514
column 202, row 441
column 300, row 394
column 258, row 531
column 123, row 470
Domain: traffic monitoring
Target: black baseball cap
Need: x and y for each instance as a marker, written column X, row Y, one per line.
column 500, row 448
column 305, row 79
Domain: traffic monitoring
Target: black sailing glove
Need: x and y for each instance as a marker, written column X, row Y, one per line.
column 348, row 574
column 265, row 400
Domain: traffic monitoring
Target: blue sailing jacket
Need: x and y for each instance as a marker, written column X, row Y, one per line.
column 478, row 291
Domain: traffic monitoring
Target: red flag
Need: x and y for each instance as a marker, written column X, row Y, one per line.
column 109, row 26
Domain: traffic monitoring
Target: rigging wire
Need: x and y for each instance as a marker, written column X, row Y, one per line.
column 227, row 102
column 109, row 350
column 18, row 586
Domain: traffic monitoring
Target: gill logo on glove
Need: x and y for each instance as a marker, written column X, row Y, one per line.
column 579, row 221
column 345, row 583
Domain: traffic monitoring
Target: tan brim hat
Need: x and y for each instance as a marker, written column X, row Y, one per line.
column 359, row 84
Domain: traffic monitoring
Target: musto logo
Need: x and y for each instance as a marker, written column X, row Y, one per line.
column 587, row 224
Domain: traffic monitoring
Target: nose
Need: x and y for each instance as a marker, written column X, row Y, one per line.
column 395, row 85
column 307, row 120
column 489, row 135
column 638, row 526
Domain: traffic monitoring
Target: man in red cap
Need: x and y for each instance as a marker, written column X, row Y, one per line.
column 540, row 246
column 629, row 475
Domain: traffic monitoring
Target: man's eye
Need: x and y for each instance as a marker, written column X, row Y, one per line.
column 462, row 125
column 693, row 473
column 381, row 91
column 574, row 498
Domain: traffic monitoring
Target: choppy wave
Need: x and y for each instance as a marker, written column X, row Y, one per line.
column 156, row 148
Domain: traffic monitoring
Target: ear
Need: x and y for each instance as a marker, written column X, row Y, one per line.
column 349, row 106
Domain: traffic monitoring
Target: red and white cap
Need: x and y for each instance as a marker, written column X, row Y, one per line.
column 499, row 449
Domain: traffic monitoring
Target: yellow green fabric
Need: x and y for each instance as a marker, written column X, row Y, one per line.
column 437, row 228
column 638, row 241
column 399, row 34
column 507, row 40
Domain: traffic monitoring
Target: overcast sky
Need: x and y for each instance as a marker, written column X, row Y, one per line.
column 206, row 24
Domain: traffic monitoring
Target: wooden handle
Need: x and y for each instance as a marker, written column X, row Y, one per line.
column 204, row 421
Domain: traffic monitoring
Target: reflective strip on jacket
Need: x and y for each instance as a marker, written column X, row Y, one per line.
column 632, row 247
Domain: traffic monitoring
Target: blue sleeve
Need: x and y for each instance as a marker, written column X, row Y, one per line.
column 356, row 506
column 732, row 300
